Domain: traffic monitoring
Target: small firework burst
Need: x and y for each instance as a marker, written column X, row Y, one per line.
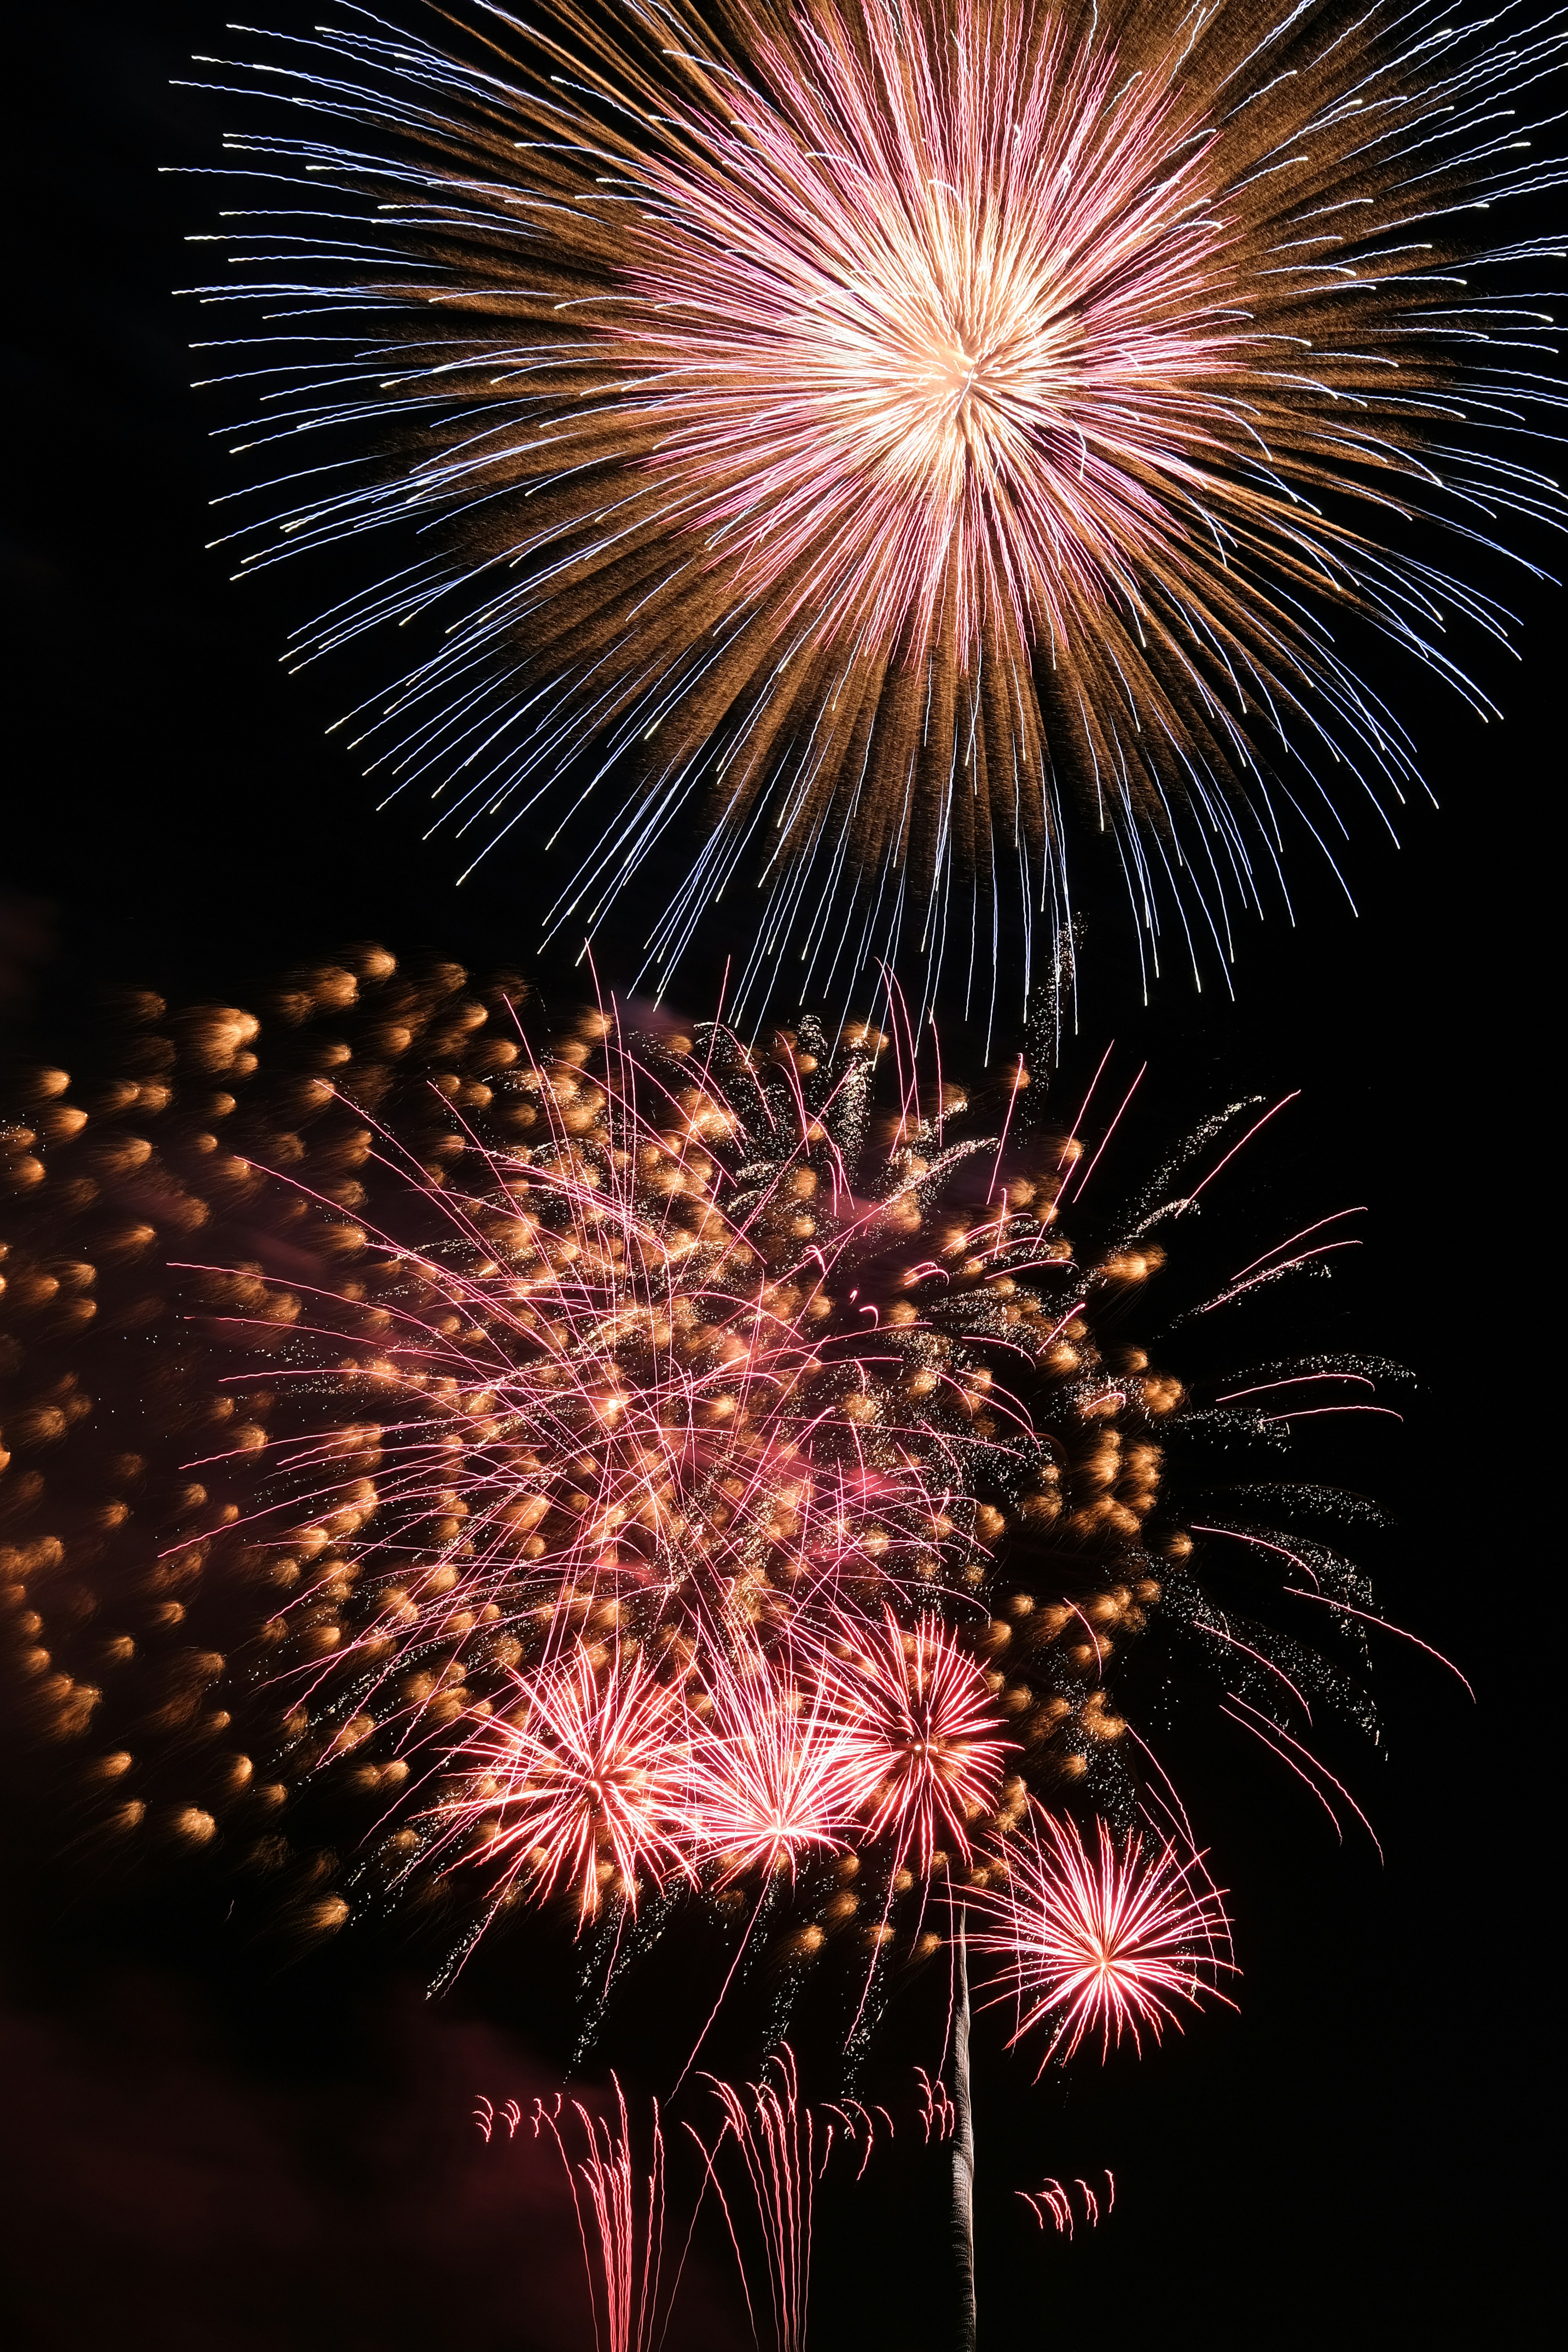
column 580, row 1779
column 769, row 1785
column 870, row 430
column 922, row 1736
column 1105, row 1943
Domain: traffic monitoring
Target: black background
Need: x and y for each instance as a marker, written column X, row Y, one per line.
column 209, row 2150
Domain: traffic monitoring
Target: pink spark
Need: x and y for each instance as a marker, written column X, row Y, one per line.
column 620, row 2219
column 1055, row 2197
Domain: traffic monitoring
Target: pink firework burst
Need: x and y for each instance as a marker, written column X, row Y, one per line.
column 992, row 271
column 1103, row 1943
column 924, row 1750
column 771, row 1774
column 581, row 1781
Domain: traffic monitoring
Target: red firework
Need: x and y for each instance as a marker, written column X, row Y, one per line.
column 776, row 2134
column 1105, row 1943
column 620, row 2214
column 771, row 1777
column 922, row 1736
column 582, row 1782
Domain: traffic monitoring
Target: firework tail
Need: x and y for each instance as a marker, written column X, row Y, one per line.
column 776, row 2136
column 961, row 2225
column 619, row 2218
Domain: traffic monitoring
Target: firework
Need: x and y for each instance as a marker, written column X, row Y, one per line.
column 585, row 1774
column 1104, row 1943
column 725, row 1454
column 623, row 2199
column 923, row 1734
column 1055, row 2199
column 771, row 1772
column 867, row 432
column 620, row 2215
column 936, row 2110
column 512, row 1468
column 776, row 2135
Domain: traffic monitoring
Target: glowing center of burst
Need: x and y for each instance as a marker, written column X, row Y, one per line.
column 963, row 376
column 935, row 400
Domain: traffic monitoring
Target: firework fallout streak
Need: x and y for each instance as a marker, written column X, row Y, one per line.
column 877, row 443
column 771, row 2148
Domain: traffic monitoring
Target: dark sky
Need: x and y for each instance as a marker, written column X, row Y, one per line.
column 206, row 2153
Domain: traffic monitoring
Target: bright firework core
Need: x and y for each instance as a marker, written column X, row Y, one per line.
column 1003, row 262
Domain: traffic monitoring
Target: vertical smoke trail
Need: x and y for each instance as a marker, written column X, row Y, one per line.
column 962, row 2226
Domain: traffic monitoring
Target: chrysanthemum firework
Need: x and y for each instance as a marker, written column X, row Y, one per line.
column 880, row 429
column 1102, row 1944
column 576, row 1473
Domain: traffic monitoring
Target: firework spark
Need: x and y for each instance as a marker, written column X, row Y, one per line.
column 890, row 423
column 1102, row 1944
column 1054, row 2199
column 619, row 2182
column 937, row 2114
column 620, row 2209
column 776, row 2134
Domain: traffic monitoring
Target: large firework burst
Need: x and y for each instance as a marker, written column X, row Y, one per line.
column 577, row 1476
column 887, row 426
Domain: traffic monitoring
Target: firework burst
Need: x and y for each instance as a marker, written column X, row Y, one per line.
column 887, row 426
column 922, row 1736
column 537, row 1471
column 584, row 1774
column 771, row 1773
column 1104, row 1943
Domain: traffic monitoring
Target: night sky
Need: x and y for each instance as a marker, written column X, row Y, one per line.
column 208, row 2147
